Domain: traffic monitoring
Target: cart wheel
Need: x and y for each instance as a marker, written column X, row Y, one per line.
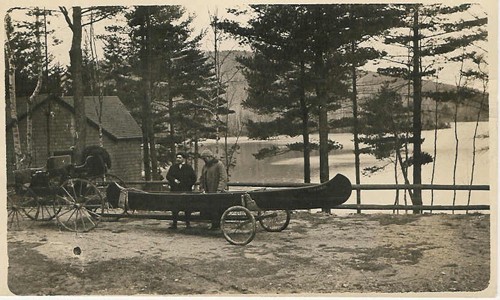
column 102, row 182
column 14, row 211
column 37, row 208
column 79, row 199
column 238, row 225
column 274, row 220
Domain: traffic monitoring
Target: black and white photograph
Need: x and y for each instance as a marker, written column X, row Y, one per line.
column 257, row 149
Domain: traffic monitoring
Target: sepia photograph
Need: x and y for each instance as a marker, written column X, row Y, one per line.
column 258, row 149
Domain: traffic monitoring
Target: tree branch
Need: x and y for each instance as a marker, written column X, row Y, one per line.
column 105, row 16
column 66, row 16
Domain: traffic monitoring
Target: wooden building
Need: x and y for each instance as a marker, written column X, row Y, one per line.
column 53, row 125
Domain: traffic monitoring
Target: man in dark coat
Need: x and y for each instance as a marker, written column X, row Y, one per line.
column 181, row 178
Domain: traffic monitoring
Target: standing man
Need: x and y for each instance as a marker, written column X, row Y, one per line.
column 181, row 178
column 213, row 180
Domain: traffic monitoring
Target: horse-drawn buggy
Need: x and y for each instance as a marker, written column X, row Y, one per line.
column 68, row 192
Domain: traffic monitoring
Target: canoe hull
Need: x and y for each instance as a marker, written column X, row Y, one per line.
column 326, row 195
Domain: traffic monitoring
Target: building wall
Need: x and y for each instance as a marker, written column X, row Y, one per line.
column 126, row 159
column 125, row 154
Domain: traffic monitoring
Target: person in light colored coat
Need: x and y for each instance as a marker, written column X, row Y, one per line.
column 213, row 180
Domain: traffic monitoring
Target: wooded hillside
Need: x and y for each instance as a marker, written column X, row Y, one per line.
column 368, row 84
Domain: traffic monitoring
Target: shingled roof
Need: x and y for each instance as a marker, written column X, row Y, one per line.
column 116, row 121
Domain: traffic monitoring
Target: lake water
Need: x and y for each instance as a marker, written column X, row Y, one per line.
column 288, row 167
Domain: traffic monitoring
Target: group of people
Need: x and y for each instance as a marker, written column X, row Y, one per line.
column 181, row 178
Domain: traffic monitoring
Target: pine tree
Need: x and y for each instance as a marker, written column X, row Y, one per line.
column 435, row 31
column 160, row 43
column 365, row 23
column 296, row 73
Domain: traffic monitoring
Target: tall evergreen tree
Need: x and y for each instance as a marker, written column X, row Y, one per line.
column 384, row 128
column 365, row 22
column 435, row 30
column 159, row 41
column 297, row 71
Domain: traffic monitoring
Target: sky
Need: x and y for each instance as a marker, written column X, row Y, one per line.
column 201, row 10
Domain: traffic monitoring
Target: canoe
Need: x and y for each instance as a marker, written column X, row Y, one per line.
column 325, row 195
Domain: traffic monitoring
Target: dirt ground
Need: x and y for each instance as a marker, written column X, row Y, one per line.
column 317, row 254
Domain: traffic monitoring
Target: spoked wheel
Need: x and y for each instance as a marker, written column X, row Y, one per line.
column 79, row 201
column 110, row 212
column 238, row 225
column 274, row 220
column 35, row 207
column 14, row 211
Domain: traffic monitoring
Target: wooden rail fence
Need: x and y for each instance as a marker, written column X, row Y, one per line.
column 369, row 187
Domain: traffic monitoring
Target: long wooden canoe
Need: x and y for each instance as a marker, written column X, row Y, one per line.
column 326, row 195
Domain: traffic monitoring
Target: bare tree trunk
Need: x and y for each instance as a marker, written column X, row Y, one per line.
column 455, row 122
column 455, row 164
column 355, row 127
column 222, row 79
column 145, row 153
column 149, row 100
column 305, row 125
column 484, row 98
column 152, row 148
column 196, row 152
column 171, row 122
column 404, row 169
column 434, row 156
column 323, row 117
column 146, row 105
column 96, row 85
column 323, row 140
column 396, row 181
column 12, row 96
column 75, row 55
column 146, row 109
column 217, row 94
column 405, row 175
column 417, row 107
column 230, row 152
column 36, row 92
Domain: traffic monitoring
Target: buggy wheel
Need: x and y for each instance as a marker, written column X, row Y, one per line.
column 79, row 199
column 14, row 211
column 274, row 220
column 102, row 182
column 238, row 225
column 37, row 208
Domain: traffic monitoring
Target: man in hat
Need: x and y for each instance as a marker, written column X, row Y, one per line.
column 181, row 178
column 213, row 180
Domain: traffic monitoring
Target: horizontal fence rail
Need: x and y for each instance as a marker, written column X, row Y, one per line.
column 372, row 187
column 366, row 187
column 362, row 187
column 442, row 187
column 412, row 207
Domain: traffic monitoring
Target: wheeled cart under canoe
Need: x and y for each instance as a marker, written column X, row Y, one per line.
column 241, row 209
